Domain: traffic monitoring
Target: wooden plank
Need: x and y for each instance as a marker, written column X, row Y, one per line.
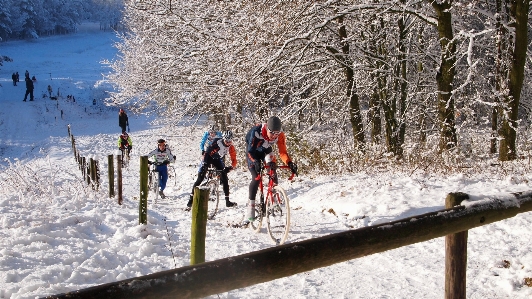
column 241, row 271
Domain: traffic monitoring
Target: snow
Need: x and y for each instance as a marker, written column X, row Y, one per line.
column 58, row 235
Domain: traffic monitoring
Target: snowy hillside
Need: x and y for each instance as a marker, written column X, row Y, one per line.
column 58, row 235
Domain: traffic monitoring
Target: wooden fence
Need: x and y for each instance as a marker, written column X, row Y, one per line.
column 201, row 280
column 89, row 169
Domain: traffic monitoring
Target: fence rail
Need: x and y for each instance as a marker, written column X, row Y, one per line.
column 265, row 265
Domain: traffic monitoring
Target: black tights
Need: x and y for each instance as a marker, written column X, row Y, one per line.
column 203, row 171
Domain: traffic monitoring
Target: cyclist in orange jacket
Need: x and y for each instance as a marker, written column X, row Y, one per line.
column 259, row 141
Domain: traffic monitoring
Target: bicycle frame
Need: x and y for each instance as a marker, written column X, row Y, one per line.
column 274, row 206
column 271, row 183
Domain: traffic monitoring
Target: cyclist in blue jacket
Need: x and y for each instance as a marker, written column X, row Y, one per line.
column 208, row 137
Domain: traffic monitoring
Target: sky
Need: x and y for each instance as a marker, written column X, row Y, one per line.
column 59, row 235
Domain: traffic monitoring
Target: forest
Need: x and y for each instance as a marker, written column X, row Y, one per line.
column 27, row 19
column 355, row 82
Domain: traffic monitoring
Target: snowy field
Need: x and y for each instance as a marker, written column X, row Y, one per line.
column 57, row 235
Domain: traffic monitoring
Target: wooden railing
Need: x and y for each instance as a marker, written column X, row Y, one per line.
column 265, row 265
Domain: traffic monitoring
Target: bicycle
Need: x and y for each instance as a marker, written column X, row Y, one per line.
column 212, row 181
column 275, row 207
column 154, row 178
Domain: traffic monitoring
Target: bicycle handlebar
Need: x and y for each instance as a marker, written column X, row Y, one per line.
column 283, row 167
column 157, row 163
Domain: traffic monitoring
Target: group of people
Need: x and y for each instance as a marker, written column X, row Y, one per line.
column 16, row 78
column 259, row 151
column 214, row 146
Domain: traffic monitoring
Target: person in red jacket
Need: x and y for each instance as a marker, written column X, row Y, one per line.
column 259, row 142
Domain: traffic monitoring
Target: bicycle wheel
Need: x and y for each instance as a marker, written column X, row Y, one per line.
column 257, row 223
column 214, row 197
column 172, row 174
column 278, row 215
column 154, row 184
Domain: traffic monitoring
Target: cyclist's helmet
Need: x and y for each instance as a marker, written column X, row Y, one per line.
column 227, row 136
column 274, row 124
column 161, row 141
column 212, row 129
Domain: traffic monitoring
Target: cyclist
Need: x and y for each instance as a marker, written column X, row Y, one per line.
column 214, row 155
column 208, row 137
column 161, row 157
column 259, row 141
column 125, row 143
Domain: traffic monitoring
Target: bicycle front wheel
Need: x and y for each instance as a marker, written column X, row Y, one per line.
column 154, row 184
column 257, row 223
column 214, row 198
column 172, row 174
column 278, row 215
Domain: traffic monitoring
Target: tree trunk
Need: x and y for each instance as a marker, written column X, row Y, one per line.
column 374, row 117
column 445, row 76
column 508, row 133
column 403, row 92
column 355, row 116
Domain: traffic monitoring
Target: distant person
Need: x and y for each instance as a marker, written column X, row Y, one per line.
column 123, row 121
column 125, row 144
column 50, row 90
column 14, row 78
column 26, row 74
column 29, row 89
column 18, row 77
column 33, row 79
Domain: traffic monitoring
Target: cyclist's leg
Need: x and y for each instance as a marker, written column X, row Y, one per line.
column 164, row 176
column 218, row 164
column 201, row 177
column 253, row 188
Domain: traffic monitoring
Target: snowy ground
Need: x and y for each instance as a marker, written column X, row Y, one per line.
column 63, row 236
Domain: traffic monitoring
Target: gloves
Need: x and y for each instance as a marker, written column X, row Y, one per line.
column 227, row 169
column 293, row 167
column 272, row 165
column 258, row 166
column 202, row 153
column 166, row 162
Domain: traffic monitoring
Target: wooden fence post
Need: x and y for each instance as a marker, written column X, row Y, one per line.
column 199, row 225
column 455, row 255
column 111, row 176
column 97, row 174
column 87, row 171
column 83, row 168
column 143, row 202
column 119, row 177
column 92, row 172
